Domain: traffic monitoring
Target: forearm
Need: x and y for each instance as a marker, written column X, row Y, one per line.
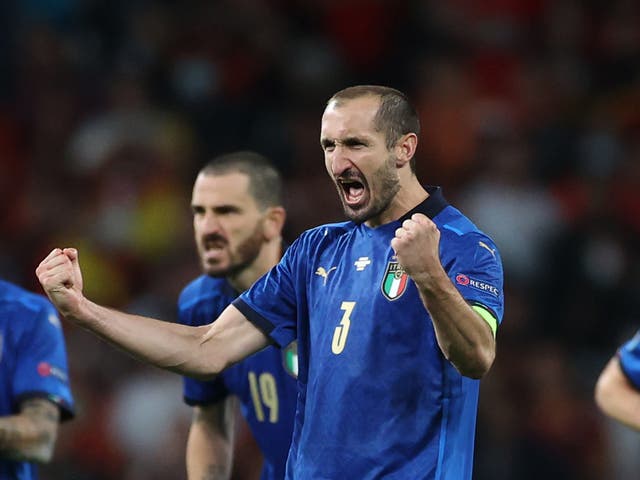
column 164, row 344
column 465, row 339
column 210, row 443
column 30, row 436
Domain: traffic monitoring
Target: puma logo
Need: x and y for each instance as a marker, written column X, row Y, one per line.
column 324, row 273
column 492, row 250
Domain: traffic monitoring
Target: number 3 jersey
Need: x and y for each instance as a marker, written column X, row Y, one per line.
column 267, row 392
column 377, row 399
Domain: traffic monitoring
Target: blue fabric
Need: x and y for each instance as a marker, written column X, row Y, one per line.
column 33, row 361
column 269, row 408
column 377, row 399
column 629, row 355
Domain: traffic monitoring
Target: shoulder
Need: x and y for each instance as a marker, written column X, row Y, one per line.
column 632, row 345
column 204, row 289
column 461, row 235
column 19, row 301
column 324, row 233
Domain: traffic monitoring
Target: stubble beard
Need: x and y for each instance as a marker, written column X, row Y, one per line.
column 243, row 257
column 385, row 183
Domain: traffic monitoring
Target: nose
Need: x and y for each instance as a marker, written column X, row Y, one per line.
column 338, row 160
column 209, row 223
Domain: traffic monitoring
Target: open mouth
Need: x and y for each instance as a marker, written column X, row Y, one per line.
column 213, row 246
column 353, row 191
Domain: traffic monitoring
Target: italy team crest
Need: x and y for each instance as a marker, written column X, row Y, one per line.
column 395, row 281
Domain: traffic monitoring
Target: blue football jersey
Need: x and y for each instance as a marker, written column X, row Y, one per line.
column 33, row 361
column 267, row 392
column 377, row 399
column 629, row 355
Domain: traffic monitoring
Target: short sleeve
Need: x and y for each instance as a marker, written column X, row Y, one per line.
column 476, row 271
column 41, row 369
column 275, row 301
column 199, row 303
column 198, row 392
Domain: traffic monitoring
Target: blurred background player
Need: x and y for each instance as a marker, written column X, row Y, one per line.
column 617, row 391
column 237, row 220
column 34, row 382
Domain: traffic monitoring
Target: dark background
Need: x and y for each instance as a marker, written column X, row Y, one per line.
column 531, row 119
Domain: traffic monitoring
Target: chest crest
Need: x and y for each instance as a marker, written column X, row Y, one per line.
column 394, row 281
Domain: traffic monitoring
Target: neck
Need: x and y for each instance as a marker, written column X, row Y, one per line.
column 269, row 256
column 410, row 195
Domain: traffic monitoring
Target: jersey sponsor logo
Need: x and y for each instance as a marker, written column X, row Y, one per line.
column 324, row 273
column 395, row 281
column 45, row 369
column 362, row 263
column 467, row 281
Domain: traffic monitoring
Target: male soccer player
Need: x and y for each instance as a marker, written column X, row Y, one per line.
column 617, row 391
column 34, row 381
column 395, row 311
column 237, row 221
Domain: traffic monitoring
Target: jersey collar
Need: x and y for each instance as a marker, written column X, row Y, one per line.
column 431, row 206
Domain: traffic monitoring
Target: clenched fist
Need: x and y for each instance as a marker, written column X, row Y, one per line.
column 60, row 276
column 416, row 245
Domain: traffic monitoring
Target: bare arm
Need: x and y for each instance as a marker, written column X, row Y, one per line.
column 247, row 456
column 30, row 435
column 210, row 443
column 616, row 396
column 200, row 352
column 465, row 339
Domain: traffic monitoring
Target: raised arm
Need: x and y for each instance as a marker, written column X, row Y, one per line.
column 616, row 396
column 200, row 352
column 465, row 339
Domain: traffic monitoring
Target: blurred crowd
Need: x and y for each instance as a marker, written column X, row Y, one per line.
column 531, row 123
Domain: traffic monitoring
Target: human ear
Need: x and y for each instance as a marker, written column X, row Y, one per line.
column 405, row 149
column 274, row 222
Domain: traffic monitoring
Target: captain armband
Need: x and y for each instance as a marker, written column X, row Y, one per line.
column 488, row 317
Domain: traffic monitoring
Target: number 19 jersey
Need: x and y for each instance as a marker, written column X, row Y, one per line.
column 263, row 382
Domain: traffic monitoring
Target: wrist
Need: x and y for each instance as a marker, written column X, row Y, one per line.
column 432, row 281
column 81, row 312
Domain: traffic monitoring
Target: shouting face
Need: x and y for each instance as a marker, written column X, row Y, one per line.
column 227, row 223
column 357, row 159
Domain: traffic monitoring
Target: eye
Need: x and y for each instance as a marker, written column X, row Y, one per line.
column 327, row 145
column 355, row 143
column 197, row 211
